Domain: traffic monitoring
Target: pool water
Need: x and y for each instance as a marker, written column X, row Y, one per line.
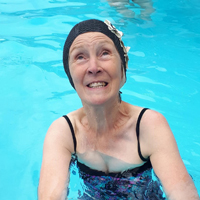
column 163, row 74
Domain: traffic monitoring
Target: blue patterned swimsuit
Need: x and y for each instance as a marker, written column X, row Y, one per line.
column 140, row 183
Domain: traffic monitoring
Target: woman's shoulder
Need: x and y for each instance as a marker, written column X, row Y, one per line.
column 153, row 128
column 153, row 120
column 135, row 111
column 60, row 130
column 149, row 116
column 155, row 132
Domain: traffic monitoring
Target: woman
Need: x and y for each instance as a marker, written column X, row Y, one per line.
column 116, row 146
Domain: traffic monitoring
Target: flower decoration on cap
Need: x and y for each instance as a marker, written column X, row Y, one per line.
column 119, row 34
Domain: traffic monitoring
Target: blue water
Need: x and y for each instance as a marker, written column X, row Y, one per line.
column 163, row 74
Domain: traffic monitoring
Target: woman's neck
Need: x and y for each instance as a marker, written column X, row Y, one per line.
column 104, row 118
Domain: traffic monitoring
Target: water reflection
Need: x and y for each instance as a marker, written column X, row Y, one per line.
column 134, row 8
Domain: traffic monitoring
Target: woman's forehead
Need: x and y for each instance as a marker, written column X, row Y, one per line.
column 90, row 37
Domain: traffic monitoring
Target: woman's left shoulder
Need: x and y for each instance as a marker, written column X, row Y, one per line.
column 152, row 119
column 155, row 131
column 148, row 119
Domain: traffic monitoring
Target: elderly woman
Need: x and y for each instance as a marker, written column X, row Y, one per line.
column 121, row 151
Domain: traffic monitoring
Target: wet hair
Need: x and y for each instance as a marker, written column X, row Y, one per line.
column 94, row 25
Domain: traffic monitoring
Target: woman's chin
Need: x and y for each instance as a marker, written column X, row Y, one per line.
column 100, row 100
column 96, row 102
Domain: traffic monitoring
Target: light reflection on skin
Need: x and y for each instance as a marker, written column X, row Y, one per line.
column 146, row 8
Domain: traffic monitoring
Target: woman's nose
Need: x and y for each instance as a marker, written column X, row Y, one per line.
column 94, row 66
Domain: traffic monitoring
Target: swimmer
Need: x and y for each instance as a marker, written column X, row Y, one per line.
column 122, row 151
column 123, row 7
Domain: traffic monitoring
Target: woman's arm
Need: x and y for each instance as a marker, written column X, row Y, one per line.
column 165, row 157
column 58, row 146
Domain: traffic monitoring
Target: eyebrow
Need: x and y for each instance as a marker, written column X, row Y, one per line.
column 76, row 47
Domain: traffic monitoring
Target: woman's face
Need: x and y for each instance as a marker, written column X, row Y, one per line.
column 95, row 67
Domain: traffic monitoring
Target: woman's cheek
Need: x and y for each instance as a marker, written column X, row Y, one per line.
column 76, row 74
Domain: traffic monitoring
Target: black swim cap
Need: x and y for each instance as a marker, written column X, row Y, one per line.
column 94, row 25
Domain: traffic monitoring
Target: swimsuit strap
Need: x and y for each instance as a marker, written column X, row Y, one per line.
column 138, row 133
column 72, row 131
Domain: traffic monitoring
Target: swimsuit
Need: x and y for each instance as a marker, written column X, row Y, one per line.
column 138, row 183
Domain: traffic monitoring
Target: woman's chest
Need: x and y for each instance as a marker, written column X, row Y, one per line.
column 109, row 152
column 110, row 161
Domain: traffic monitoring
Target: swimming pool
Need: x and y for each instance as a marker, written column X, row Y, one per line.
column 163, row 75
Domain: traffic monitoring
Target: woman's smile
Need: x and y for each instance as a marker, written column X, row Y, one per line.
column 98, row 84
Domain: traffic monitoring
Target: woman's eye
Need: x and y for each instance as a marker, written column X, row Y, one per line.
column 105, row 53
column 79, row 57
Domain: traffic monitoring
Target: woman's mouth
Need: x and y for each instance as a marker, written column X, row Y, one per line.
column 97, row 84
